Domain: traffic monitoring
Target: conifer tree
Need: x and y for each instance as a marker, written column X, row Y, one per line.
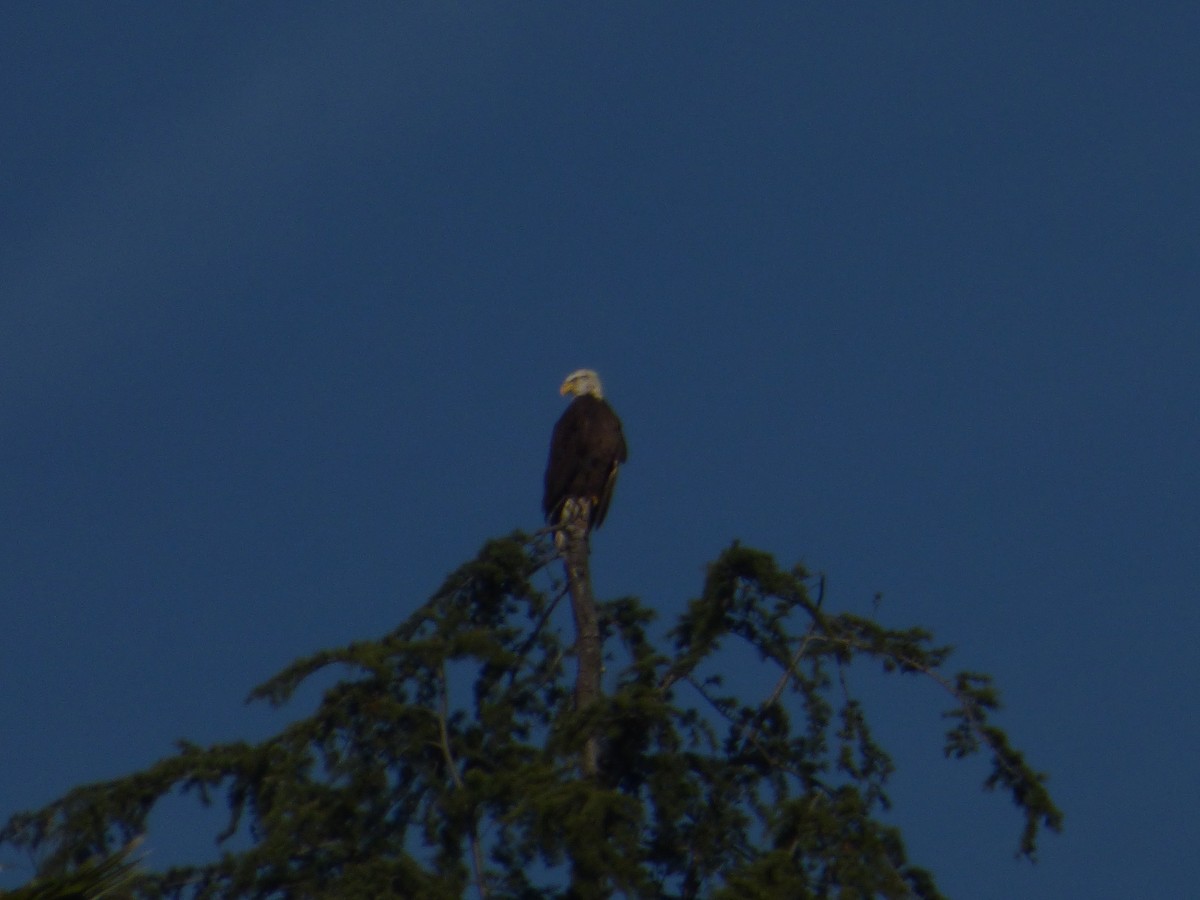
column 667, row 783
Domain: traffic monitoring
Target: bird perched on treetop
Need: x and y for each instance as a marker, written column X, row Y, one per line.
column 585, row 451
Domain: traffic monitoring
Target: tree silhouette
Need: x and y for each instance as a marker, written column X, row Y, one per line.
column 453, row 758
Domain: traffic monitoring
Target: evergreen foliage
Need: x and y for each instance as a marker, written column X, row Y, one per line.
column 403, row 783
column 101, row 878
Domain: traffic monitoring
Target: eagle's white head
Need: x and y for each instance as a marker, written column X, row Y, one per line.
column 580, row 382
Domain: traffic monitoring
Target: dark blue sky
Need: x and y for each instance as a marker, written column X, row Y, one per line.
column 907, row 292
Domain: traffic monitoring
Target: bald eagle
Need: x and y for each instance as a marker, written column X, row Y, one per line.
column 585, row 451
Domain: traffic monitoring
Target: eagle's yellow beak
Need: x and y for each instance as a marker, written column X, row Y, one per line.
column 566, row 388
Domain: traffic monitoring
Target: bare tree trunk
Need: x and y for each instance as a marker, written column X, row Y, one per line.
column 587, row 629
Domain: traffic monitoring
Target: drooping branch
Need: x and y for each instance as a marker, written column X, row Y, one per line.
column 452, row 766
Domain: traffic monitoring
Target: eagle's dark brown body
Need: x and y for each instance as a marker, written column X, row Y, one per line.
column 585, row 451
